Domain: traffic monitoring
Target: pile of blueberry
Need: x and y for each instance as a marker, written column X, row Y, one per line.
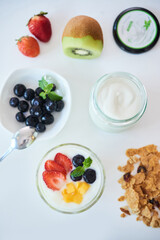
column 88, row 176
column 40, row 110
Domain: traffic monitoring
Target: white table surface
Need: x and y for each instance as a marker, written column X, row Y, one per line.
column 23, row 214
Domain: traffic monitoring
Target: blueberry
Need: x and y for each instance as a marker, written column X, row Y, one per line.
column 31, row 121
column 59, row 105
column 37, row 101
column 78, row 160
column 75, row 179
column 50, row 105
column 14, row 102
column 54, row 87
column 36, row 111
column 38, row 91
column 89, row 176
column 29, row 94
column 23, row 106
column 19, row 90
column 20, row 117
column 47, row 118
column 40, row 127
column 44, row 109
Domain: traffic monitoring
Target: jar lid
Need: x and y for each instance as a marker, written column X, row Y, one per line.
column 136, row 30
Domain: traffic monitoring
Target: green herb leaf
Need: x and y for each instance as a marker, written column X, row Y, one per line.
column 79, row 171
column 53, row 96
column 43, row 95
column 43, row 83
column 87, row 162
column 48, row 88
column 147, row 24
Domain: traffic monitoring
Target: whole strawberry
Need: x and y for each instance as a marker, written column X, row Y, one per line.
column 40, row 27
column 28, row 46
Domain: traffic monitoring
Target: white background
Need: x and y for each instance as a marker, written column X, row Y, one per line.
column 23, row 214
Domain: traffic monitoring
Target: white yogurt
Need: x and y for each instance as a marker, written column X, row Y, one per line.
column 119, row 98
column 55, row 198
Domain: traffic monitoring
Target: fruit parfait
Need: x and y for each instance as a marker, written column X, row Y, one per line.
column 70, row 178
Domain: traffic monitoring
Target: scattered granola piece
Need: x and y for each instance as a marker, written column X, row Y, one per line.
column 121, row 199
column 123, row 215
column 126, row 211
column 142, row 190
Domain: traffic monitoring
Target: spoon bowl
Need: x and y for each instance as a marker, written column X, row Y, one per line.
column 22, row 139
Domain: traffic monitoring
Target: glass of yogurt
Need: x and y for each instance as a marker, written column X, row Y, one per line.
column 55, row 199
column 118, row 100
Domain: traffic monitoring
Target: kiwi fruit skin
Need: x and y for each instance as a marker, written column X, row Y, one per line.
column 82, row 32
column 88, row 43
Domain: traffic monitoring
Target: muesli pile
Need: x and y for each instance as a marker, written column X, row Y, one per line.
column 142, row 190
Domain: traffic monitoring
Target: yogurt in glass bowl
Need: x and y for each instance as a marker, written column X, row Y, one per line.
column 118, row 100
column 70, row 196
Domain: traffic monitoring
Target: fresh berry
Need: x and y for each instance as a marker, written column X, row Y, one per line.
column 20, row 117
column 37, row 101
column 59, row 106
column 23, row 106
column 28, row 46
column 40, row 27
column 51, row 165
column 14, row 102
column 44, row 109
column 54, row 87
column 29, row 94
column 75, row 179
column 78, row 160
column 38, row 91
column 54, row 180
column 47, row 118
column 40, row 127
column 31, row 121
column 89, row 176
column 36, row 111
column 64, row 161
column 19, row 90
column 50, row 105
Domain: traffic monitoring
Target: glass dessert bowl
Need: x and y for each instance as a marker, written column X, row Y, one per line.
column 118, row 100
column 70, row 178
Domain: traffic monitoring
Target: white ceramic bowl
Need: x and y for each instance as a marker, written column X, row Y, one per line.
column 29, row 77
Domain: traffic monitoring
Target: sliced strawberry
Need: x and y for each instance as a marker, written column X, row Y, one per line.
column 64, row 161
column 51, row 165
column 54, row 180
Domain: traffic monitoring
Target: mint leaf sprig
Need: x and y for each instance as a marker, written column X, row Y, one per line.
column 47, row 90
column 79, row 171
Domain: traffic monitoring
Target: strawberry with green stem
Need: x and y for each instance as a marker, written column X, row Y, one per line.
column 40, row 27
column 28, row 46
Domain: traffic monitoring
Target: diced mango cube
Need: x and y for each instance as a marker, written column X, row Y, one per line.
column 82, row 187
column 77, row 198
column 67, row 197
column 71, row 187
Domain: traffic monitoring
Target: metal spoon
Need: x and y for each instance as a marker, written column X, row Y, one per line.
column 21, row 139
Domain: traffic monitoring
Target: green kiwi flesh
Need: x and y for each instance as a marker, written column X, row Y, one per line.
column 82, row 48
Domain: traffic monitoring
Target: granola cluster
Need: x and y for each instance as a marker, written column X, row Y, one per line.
column 142, row 189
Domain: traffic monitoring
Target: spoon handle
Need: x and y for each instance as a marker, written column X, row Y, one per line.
column 10, row 149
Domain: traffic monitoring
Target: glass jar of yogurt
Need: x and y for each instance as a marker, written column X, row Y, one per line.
column 118, row 100
column 55, row 198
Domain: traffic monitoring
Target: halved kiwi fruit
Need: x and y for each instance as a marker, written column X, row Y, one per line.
column 82, row 38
